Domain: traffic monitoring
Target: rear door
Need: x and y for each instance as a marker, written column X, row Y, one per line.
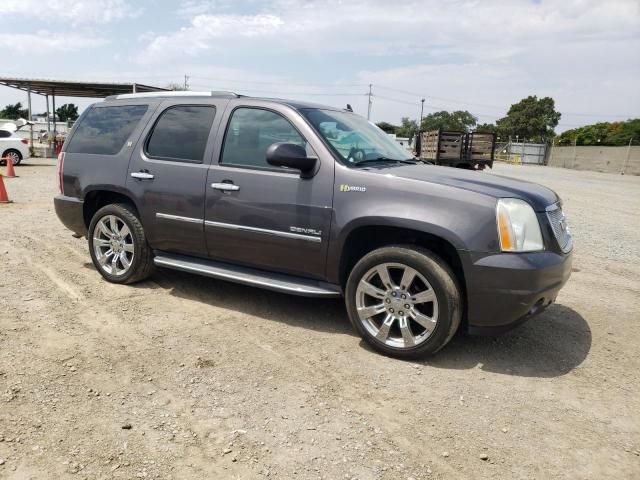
column 263, row 216
column 98, row 150
column 168, row 171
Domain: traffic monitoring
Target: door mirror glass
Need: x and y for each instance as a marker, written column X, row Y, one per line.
column 291, row 155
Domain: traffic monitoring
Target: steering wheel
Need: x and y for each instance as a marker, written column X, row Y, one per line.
column 356, row 155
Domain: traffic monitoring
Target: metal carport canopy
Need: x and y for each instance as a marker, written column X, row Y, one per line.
column 62, row 88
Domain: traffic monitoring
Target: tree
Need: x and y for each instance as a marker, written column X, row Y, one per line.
column 407, row 129
column 531, row 118
column 14, row 112
column 603, row 133
column 459, row 121
column 387, row 127
column 66, row 112
column 486, row 128
column 176, row 87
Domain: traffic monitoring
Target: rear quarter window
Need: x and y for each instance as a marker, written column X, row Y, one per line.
column 104, row 130
column 181, row 133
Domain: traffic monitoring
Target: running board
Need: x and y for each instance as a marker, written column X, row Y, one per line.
column 248, row 276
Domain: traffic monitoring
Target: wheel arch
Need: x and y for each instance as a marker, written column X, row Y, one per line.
column 94, row 200
column 366, row 238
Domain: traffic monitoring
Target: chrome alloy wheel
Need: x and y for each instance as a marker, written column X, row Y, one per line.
column 113, row 245
column 13, row 156
column 397, row 305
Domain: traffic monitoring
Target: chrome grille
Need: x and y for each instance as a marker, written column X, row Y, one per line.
column 559, row 226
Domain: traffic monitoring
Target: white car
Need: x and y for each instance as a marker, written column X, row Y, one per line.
column 12, row 146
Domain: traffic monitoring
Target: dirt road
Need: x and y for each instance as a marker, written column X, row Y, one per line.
column 185, row 377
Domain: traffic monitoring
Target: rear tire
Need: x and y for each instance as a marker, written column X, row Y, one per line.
column 412, row 310
column 15, row 155
column 118, row 246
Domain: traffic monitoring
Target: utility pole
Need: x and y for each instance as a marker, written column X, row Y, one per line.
column 421, row 114
column 186, row 82
column 370, row 102
column 626, row 160
column 48, row 119
column 30, row 118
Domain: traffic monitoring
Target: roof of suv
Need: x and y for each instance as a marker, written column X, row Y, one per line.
column 220, row 94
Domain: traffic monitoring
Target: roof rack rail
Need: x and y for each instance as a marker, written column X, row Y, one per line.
column 173, row 93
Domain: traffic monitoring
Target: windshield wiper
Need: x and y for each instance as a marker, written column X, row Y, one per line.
column 384, row 160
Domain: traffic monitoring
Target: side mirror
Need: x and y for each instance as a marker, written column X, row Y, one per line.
column 291, row 155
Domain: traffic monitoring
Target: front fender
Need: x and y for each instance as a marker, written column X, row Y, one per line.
column 338, row 243
column 464, row 219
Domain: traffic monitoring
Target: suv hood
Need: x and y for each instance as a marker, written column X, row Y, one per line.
column 496, row 186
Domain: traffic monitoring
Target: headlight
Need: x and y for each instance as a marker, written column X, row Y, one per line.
column 518, row 226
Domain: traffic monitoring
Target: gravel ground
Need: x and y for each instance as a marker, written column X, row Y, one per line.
column 184, row 377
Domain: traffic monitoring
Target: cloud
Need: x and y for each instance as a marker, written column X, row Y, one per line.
column 460, row 28
column 74, row 11
column 45, row 42
column 205, row 30
column 472, row 54
column 478, row 55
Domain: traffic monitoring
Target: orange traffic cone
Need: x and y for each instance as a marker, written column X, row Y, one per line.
column 11, row 173
column 4, row 198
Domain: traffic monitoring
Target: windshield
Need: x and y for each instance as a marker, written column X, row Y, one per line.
column 354, row 139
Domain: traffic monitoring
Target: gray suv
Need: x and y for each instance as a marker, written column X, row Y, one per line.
column 310, row 200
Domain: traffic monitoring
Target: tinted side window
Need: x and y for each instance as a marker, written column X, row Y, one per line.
column 181, row 133
column 5, row 134
column 103, row 130
column 251, row 131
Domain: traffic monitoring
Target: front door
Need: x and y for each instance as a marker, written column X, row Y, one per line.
column 263, row 216
column 168, row 171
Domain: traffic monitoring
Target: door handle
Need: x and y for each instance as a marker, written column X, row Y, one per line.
column 142, row 175
column 225, row 187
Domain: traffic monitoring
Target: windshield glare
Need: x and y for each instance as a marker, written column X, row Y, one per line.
column 353, row 138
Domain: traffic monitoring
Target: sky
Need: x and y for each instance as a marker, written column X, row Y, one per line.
column 480, row 56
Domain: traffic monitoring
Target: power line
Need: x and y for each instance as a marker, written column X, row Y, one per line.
column 283, row 82
column 433, row 107
column 396, row 100
column 414, row 94
column 287, row 92
column 501, row 108
column 479, row 115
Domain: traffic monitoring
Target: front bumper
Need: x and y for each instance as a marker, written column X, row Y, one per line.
column 71, row 214
column 505, row 289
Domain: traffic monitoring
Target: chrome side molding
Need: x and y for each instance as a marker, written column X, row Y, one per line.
column 266, row 231
column 179, row 218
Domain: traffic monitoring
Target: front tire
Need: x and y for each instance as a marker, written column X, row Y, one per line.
column 404, row 301
column 118, row 246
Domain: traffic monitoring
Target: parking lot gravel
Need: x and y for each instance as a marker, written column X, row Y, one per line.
column 184, row 377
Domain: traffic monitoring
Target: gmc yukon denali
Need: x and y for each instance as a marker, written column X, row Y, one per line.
column 310, row 200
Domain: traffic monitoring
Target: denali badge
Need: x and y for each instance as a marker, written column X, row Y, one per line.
column 352, row 188
column 308, row 231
